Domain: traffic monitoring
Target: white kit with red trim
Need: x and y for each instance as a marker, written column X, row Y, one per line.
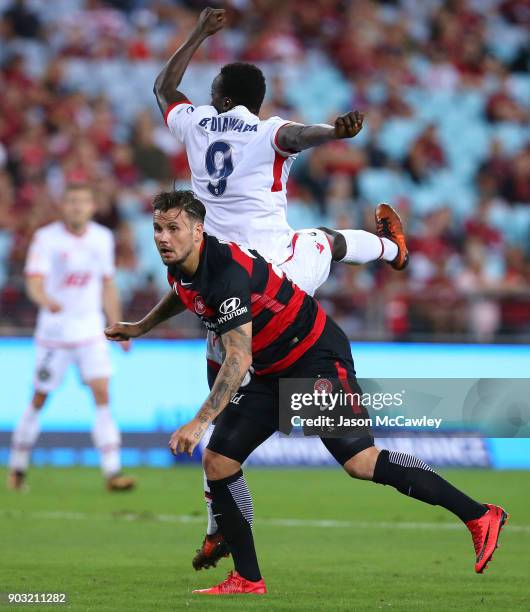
column 239, row 173
column 73, row 268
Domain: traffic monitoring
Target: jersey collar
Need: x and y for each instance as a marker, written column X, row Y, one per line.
column 70, row 233
column 241, row 111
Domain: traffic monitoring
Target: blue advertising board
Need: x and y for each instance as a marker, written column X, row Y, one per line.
column 161, row 383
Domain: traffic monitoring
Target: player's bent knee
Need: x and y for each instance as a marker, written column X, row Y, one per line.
column 100, row 390
column 101, row 398
column 362, row 465
column 337, row 243
column 39, row 399
column 218, row 466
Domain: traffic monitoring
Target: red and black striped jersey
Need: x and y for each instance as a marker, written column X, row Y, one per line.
column 233, row 286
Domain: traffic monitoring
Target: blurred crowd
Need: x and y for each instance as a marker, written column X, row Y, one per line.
column 445, row 88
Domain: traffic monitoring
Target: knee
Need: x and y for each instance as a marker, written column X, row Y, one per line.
column 100, row 391
column 337, row 243
column 218, row 466
column 39, row 399
column 362, row 465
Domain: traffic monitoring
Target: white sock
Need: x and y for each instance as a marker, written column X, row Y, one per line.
column 107, row 440
column 212, row 523
column 362, row 247
column 23, row 439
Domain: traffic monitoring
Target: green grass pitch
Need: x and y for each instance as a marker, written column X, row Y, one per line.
column 325, row 542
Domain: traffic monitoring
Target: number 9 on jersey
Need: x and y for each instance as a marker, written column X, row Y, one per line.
column 219, row 166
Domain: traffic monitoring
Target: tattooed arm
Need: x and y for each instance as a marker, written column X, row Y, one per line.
column 238, row 347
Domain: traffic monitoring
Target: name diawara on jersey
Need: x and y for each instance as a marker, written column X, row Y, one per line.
column 227, row 124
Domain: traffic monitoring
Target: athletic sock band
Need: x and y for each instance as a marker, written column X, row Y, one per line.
column 413, row 477
column 107, row 440
column 233, row 510
column 363, row 247
column 24, row 438
column 212, row 523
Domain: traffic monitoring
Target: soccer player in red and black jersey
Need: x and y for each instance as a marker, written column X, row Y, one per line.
column 270, row 329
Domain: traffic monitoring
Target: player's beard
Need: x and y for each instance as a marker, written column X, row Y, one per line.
column 182, row 259
column 178, row 261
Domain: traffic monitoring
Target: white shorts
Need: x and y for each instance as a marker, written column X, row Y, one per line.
column 310, row 260
column 92, row 360
column 307, row 266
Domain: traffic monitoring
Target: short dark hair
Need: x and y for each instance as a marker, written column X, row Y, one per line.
column 243, row 84
column 183, row 199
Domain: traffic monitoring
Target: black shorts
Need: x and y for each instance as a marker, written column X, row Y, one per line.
column 252, row 415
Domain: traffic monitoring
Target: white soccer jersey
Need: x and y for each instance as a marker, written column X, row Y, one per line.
column 239, row 173
column 73, row 268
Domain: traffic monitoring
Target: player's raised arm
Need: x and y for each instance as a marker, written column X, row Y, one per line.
column 238, row 346
column 165, row 89
column 294, row 137
column 169, row 306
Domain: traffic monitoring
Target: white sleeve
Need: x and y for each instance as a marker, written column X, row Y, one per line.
column 108, row 267
column 178, row 118
column 278, row 123
column 183, row 116
column 39, row 258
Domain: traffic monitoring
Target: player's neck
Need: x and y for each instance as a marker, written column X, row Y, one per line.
column 76, row 230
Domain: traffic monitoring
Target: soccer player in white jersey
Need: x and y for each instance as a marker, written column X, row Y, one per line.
column 239, row 170
column 69, row 276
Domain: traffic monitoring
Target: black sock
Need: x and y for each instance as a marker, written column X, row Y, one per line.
column 233, row 511
column 411, row 476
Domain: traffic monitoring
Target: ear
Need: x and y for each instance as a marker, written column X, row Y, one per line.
column 227, row 104
column 198, row 231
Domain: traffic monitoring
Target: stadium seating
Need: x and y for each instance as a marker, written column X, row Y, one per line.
column 395, row 157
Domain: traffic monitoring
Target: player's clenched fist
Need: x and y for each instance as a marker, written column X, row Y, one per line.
column 211, row 20
column 185, row 439
column 121, row 332
column 349, row 125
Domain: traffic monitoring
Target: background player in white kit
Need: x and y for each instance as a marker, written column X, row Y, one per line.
column 239, row 170
column 69, row 275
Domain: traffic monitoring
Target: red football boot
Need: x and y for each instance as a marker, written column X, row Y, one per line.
column 235, row 585
column 214, row 547
column 485, row 533
column 388, row 225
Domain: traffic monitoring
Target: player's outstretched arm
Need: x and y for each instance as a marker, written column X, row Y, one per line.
column 165, row 89
column 238, row 346
column 169, row 306
column 294, row 137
